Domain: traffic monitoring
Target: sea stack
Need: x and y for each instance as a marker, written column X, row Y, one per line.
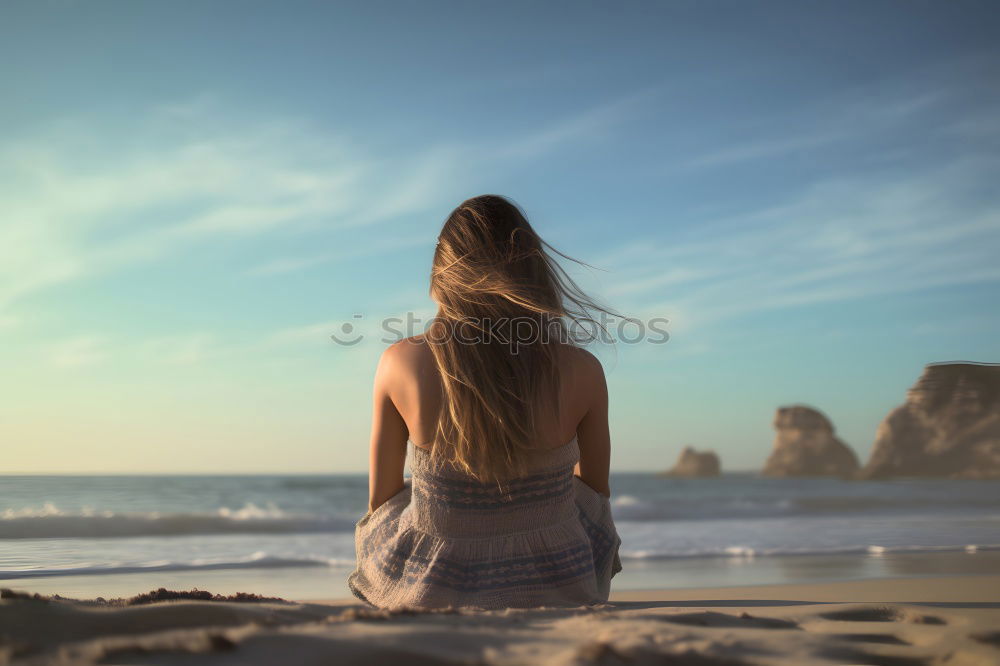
column 949, row 426
column 806, row 446
column 694, row 464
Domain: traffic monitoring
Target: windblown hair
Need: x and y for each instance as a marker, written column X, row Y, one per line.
column 505, row 307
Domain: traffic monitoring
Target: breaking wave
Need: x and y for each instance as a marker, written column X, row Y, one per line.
column 50, row 522
column 256, row 561
column 746, row 552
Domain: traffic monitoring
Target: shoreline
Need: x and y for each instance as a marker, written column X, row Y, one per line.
column 679, row 573
column 902, row 622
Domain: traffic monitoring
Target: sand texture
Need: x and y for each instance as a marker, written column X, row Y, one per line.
column 901, row 622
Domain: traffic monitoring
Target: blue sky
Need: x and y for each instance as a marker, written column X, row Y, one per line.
column 195, row 195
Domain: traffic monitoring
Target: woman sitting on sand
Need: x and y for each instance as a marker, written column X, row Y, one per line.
column 508, row 419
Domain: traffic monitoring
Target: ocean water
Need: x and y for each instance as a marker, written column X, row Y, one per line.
column 294, row 534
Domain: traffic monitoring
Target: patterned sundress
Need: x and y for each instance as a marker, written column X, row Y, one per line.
column 446, row 539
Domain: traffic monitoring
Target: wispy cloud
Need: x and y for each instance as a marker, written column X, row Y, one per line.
column 828, row 123
column 10, row 321
column 758, row 149
column 366, row 247
column 185, row 349
column 314, row 331
column 840, row 239
column 67, row 217
column 78, row 351
column 74, row 208
column 199, row 348
column 595, row 122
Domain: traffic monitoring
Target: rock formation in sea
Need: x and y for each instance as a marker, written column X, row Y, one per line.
column 696, row 464
column 806, row 446
column 949, row 426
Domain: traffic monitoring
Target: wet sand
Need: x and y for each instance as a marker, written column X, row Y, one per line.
column 898, row 622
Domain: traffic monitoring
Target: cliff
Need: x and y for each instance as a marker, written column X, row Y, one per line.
column 949, row 426
column 695, row 464
column 805, row 445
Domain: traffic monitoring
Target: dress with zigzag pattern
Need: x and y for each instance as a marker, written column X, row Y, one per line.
column 446, row 539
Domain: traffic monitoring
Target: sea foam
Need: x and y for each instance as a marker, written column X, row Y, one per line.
column 49, row 521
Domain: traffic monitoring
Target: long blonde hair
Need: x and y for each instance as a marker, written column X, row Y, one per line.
column 504, row 304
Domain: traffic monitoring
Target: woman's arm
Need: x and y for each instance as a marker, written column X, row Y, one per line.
column 387, row 451
column 593, row 434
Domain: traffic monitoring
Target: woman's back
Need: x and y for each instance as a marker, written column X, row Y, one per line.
column 508, row 501
column 447, row 539
column 415, row 386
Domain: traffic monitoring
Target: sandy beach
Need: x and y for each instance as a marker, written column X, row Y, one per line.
column 896, row 622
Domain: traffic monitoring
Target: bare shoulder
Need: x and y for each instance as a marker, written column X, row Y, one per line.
column 582, row 364
column 406, row 350
column 406, row 357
